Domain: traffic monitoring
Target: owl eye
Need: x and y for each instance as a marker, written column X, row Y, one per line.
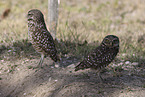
column 107, row 41
column 115, row 41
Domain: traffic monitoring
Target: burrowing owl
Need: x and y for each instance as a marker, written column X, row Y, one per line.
column 40, row 37
column 102, row 55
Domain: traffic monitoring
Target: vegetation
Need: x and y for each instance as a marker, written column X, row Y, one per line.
column 81, row 27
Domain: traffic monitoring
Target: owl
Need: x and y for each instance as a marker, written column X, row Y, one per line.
column 40, row 37
column 102, row 56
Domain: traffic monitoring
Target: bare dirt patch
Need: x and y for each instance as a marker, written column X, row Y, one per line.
column 18, row 79
column 82, row 24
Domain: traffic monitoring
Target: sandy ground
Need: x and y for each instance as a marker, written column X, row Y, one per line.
column 19, row 79
column 123, row 18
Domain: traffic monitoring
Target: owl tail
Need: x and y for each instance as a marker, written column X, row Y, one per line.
column 80, row 66
column 55, row 58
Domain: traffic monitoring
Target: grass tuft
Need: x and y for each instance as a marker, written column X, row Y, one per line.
column 82, row 25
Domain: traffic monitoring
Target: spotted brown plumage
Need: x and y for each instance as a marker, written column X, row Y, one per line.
column 102, row 56
column 40, row 37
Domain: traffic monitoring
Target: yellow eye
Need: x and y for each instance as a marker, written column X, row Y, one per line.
column 107, row 41
column 115, row 41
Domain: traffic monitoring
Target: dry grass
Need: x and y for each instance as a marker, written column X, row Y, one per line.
column 80, row 21
column 82, row 25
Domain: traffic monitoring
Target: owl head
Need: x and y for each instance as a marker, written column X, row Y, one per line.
column 35, row 15
column 111, row 41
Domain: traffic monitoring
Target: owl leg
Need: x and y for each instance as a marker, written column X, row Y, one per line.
column 99, row 75
column 41, row 60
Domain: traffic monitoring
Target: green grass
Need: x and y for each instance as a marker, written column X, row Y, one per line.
column 82, row 25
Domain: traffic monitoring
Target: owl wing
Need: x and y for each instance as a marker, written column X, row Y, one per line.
column 48, row 45
column 98, row 58
column 88, row 61
column 102, row 58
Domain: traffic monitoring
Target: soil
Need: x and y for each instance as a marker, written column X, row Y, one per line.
column 19, row 79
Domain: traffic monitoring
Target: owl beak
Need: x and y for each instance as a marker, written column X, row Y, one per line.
column 111, row 44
